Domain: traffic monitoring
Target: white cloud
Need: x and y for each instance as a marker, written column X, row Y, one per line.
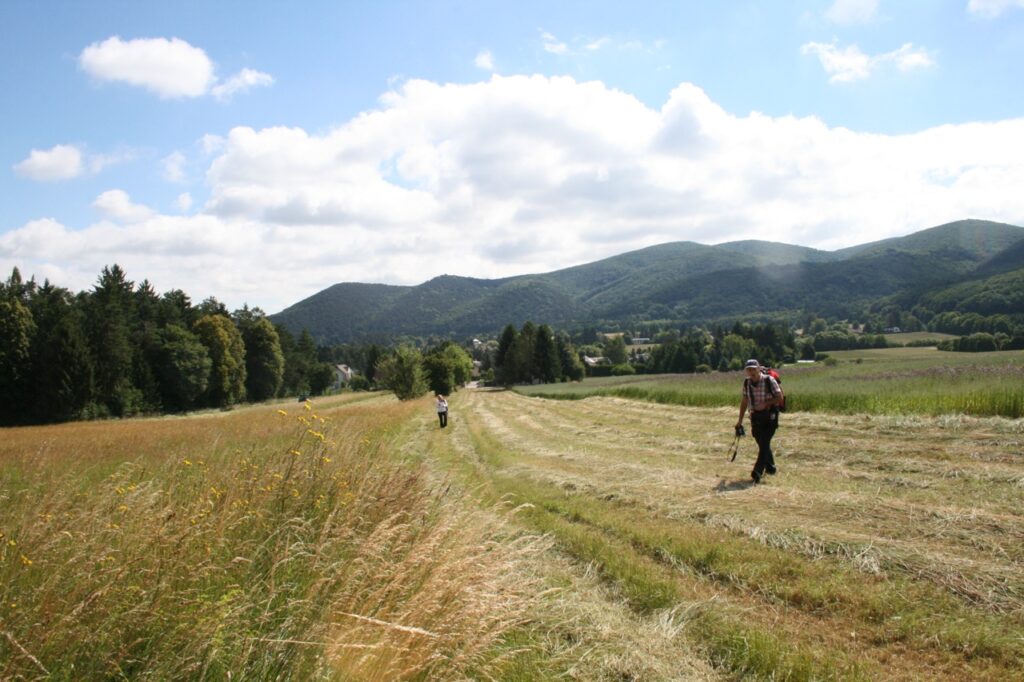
column 170, row 68
column 484, row 60
column 64, row 162
column 525, row 174
column 990, row 9
column 244, row 80
column 61, row 162
column 174, row 166
column 852, row 11
column 851, row 64
column 97, row 162
column 594, row 45
column 211, row 144
column 116, row 205
column 184, row 202
column 553, row 44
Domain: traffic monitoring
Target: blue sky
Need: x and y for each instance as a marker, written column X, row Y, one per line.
column 260, row 152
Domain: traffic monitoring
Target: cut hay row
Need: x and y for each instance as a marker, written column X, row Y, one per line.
column 894, row 539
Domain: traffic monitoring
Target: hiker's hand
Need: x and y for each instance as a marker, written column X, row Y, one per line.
column 739, row 430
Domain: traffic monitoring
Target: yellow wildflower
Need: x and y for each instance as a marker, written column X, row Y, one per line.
column 308, row 406
column 122, row 508
column 294, row 452
column 282, row 413
column 25, row 560
column 186, row 462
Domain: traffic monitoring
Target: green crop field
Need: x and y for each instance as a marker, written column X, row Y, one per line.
column 875, row 381
column 603, row 538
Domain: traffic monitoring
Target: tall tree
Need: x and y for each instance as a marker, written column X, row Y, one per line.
column 373, row 355
column 401, row 371
column 264, row 361
column 504, row 367
column 615, row 350
column 63, row 381
column 110, row 340
column 569, row 360
column 227, row 352
column 523, row 366
column 447, row 367
column 183, row 368
column 17, row 330
column 545, row 356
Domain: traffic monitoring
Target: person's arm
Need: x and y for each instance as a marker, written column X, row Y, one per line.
column 776, row 392
column 743, row 409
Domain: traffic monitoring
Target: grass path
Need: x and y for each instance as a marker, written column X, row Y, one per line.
column 886, row 546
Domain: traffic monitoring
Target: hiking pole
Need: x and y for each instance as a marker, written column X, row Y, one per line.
column 736, row 443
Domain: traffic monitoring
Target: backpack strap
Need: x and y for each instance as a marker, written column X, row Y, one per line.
column 750, row 388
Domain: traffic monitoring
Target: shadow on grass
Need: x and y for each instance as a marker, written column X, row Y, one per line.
column 724, row 486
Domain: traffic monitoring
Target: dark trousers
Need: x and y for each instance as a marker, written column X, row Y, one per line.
column 443, row 418
column 763, row 425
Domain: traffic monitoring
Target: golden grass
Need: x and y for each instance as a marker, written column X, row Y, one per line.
column 253, row 545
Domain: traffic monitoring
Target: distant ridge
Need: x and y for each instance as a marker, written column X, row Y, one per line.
column 684, row 282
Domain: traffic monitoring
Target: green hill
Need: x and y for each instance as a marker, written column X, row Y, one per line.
column 949, row 265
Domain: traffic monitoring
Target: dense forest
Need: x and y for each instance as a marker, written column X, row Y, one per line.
column 122, row 349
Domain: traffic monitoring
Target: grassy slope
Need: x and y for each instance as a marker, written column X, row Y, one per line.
column 874, row 381
column 253, row 545
column 887, row 546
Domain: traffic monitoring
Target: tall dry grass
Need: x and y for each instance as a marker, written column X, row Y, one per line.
column 304, row 553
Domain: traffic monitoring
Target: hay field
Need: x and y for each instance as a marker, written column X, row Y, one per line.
column 886, row 547
column 274, row 542
column 533, row 539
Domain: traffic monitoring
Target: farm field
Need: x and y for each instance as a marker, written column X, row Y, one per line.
column 886, row 546
column 593, row 539
column 910, row 337
column 908, row 381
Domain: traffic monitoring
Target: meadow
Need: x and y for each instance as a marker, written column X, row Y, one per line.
column 602, row 538
column 904, row 381
column 273, row 542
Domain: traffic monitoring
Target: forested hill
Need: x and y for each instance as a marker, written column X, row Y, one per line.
column 686, row 282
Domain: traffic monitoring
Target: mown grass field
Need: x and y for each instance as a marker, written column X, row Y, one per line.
column 594, row 539
column 878, row 381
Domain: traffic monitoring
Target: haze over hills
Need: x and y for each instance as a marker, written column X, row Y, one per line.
column 685, row 282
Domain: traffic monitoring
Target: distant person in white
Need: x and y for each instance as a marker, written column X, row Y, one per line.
column 442, row 410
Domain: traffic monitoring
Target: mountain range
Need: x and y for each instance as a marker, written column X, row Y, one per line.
column 687, row 283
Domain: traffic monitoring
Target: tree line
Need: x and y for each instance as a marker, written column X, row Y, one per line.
column 122, row 349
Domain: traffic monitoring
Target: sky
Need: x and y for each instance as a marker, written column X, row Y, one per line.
column 259, row 152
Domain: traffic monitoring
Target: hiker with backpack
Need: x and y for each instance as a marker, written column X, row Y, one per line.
column 763, row 396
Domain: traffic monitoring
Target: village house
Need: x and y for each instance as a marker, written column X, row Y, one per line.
column 342, row 375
